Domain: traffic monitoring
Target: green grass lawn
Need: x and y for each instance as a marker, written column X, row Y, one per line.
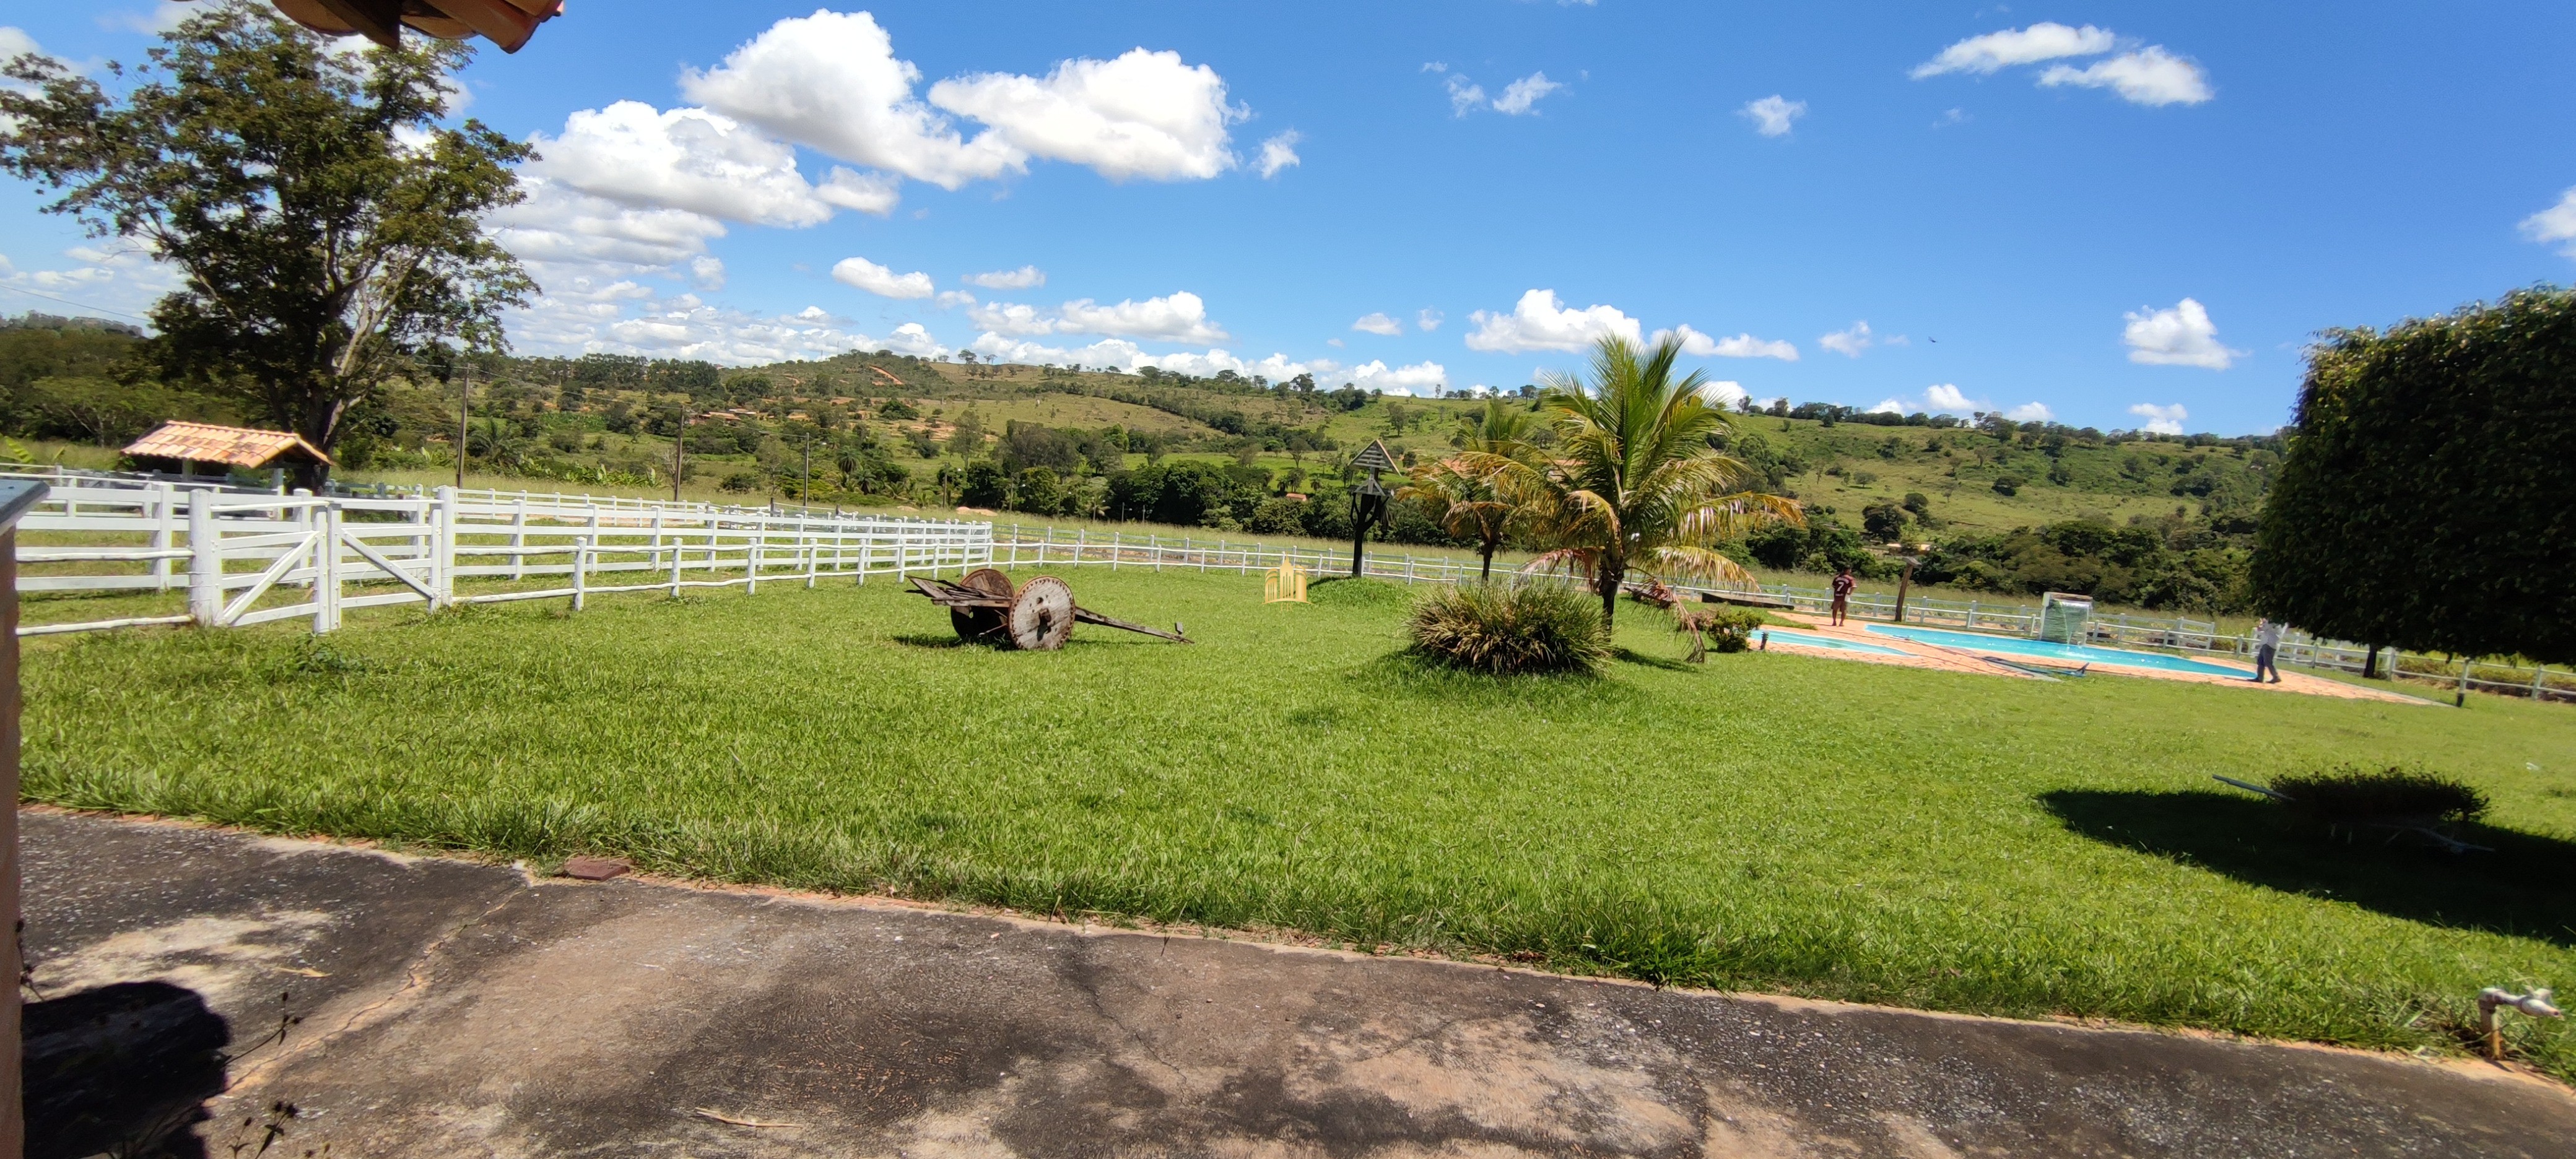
column 1766, row 822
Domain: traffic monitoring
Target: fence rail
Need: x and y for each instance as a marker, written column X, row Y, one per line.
column 250, row 558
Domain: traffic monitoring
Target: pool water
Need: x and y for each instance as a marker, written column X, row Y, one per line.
column 2078, row 653
column 1812, row 640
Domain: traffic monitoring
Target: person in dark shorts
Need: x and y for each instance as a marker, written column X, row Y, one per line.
column 2267, row 645
column 1843, row 585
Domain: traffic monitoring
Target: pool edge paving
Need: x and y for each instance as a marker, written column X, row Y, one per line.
column 451, row 1007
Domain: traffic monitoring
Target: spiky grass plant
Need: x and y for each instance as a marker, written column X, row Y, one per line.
column 2349, row 793
column 1510, row 629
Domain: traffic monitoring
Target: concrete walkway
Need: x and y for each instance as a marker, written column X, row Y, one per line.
column 454, row 1009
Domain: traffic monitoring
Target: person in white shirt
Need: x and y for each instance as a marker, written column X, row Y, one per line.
column 2267, row 644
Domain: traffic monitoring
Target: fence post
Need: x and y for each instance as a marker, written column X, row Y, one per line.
column 326, row 570
column 2537, row 671
column 519, row 539
column 205, row 561
column 751, row 558
column 442, row 547
column 164, row 530
column 580, row 572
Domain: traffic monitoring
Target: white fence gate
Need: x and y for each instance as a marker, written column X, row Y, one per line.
column 234, row 551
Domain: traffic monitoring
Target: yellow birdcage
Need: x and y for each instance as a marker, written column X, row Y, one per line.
column 1284, row 584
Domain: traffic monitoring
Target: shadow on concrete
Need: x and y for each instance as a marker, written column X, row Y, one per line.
column 123, row 1069
column 2520, row 889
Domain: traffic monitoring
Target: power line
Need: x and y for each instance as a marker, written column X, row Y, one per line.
column 69, row 302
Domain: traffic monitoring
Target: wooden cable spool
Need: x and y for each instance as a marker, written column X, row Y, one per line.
column 1042, row 615
column 982, row 623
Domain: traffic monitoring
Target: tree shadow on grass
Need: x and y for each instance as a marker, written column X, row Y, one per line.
column 2520, row 889
column 1632, row 656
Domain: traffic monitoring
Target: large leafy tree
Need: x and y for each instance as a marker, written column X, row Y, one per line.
column 326, row 227
column 1633, row 484
column 1460, row 497
column 2424, row 501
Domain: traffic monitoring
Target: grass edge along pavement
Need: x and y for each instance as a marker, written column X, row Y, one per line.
column 1764, row 822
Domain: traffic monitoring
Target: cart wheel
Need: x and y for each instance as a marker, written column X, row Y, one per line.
column 1042, row 615
column 981, row 624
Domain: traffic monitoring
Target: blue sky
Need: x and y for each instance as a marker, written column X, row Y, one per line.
column 2125, row 215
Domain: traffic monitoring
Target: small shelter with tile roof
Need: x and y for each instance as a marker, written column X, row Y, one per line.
column 187, row 448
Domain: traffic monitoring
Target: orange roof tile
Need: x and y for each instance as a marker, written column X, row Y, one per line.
column 231, row 446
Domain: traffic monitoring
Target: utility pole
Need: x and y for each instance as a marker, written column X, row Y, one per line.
column 464, row 403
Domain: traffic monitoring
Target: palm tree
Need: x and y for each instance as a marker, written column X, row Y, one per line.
column 1634, row 484
column 1459, row 496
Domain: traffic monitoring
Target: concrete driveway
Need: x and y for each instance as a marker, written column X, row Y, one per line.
column 455, row 1009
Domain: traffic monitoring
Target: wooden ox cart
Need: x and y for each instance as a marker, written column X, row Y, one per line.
column 984, row 607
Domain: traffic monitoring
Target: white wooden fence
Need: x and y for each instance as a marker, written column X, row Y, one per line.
column 250, row 558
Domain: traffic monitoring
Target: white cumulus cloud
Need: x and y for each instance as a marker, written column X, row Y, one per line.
column 1279, row 153
column 698, row 161
column 1124, row 355
column 1994, row 51
column 1522, row 96
column 561, row 231
column 1741, row 346
column 2161, row 420
column 1143, row 114
column 1378, row 324
column 1540, row 322
column 2149, row 76
column 2180, row 336
column 951, row 299
column 1180, row 317
column 1425, row 378
column 1725, row 394
column 1849, row 342
column 1771, row 115
column 2556, row 223
column 832, row 81
column 1946, row 398
column 1464, row 95
column 1429, row 319
column 1025, row 277
column 883, row 282
column 2030, row 412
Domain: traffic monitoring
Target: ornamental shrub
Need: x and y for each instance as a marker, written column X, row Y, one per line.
column 1508, row 629
column 2349, row 794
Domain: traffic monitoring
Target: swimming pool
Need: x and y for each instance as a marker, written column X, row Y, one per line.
column 1812, row 640
column 2079, row 653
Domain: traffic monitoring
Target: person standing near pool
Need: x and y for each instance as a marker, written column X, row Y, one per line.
column 2267, row 645
column 1843, row 585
